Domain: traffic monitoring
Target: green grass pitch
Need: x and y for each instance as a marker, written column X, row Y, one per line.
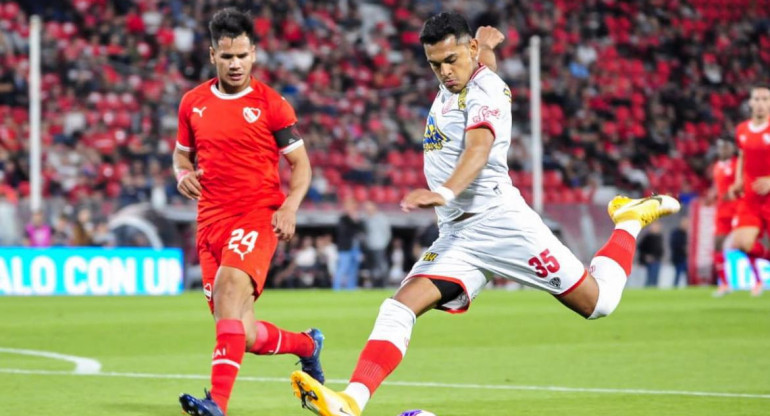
column 515, row 353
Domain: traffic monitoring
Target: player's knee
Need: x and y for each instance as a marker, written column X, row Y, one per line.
column 394, row 324
column 604, row 307
column 610, row 292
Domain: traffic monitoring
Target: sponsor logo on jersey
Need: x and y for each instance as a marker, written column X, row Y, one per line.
column 199, row 111
column 429, row 256
column 485, row 113
column 555, row 282
column 507, row 93
column 433, row 139
column 251, row 114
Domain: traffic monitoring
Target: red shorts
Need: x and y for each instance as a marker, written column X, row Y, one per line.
column 246, row 242
column 724, row 218
column 752, row 213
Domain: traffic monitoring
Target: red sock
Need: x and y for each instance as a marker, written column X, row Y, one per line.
column 377, row 361
column 226, row 360
column 620, row 247
column 719, row 266
column 272, row 340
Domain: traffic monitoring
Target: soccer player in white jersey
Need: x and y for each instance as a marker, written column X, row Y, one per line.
column 486, row 228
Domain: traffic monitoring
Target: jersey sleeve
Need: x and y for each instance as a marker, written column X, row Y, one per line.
column 282, row 121
column 184, row 137
column 486, row 109
column 282, row 114
column 738, row 141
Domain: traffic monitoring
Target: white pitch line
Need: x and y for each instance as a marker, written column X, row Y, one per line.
column 415, row 384
column 82, row 365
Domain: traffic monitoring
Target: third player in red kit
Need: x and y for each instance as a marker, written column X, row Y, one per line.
column 752, row 180
column 724, row 177
column 232, row 131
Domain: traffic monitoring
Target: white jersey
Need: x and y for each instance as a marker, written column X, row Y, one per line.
column 485, row 101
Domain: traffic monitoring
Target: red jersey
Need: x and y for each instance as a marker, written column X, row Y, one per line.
column 232, row 137
column 755, row 144
column 724, row 176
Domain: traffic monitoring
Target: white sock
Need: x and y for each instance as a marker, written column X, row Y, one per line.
column 394, row 324
column 611, row 279
column 632, row 227
column 359, row 393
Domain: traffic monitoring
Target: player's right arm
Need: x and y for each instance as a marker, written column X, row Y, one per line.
column 488, row 38
column 186, row 176
column 184, row 168
column 736, row 189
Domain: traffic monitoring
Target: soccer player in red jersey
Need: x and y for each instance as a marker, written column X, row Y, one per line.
column 752, row 180
column 232, row 131
column 724, row 177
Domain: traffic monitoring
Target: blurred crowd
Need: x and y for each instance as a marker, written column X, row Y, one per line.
column 634, row 92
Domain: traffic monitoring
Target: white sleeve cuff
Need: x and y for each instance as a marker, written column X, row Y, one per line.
column 182, row 147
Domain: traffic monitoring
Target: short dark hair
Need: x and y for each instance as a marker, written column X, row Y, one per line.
column 231, row 23
column 760, row 86
column 438, row 27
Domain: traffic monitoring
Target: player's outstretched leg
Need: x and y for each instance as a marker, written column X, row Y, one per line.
column 200, row 407
column 320, row 399
column 611, row 265
column 272, row 340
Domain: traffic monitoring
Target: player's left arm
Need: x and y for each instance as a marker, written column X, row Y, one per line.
column 761, row 185
column 285, row 218
column 478, row 145
column 488, row 38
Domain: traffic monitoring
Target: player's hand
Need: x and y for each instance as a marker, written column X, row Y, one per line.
column 284, row 223
column 761, row 185
column 422, row 198
column 188, row 185
column 734, row 191
column 489, row 37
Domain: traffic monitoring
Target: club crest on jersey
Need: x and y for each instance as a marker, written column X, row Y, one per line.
column 251, row 114
column 485, row 114
column 766, row 138
column 433, row 139
column 507, row 93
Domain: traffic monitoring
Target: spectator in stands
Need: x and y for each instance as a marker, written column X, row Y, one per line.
column 82, row 234
column 651, row 253
column 37, row 232
column 349, row 248
column 678, row 248
column 377, row 235
column 62, row 231
column 327, row 259
column 8, row 219
column 397, row 259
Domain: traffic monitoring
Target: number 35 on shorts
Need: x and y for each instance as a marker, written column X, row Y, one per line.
column 241, row 239
column 544, row 264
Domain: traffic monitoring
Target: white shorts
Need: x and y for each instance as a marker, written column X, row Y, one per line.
column 510, row 241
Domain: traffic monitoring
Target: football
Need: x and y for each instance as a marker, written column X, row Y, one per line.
column 417, row 412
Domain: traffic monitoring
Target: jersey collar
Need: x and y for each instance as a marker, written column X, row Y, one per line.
column 759, row 128
column 220, row 94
